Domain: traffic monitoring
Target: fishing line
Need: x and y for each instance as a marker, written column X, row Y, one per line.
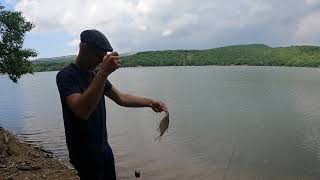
column 234, row 150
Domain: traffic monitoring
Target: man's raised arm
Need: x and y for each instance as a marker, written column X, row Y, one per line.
column 84, row 104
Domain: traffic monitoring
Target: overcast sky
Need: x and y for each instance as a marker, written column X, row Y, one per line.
column 139, row 25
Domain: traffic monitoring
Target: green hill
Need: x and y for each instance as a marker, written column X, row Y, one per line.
column 52, row 64
column 252, row 54
column 55, row 59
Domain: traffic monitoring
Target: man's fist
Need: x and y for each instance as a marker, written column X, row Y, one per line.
column 158, row 106
column 110, row 63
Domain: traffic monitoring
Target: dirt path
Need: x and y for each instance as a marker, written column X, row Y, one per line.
column 19, row 160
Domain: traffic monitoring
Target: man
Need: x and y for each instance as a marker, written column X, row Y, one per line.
column 82, row 93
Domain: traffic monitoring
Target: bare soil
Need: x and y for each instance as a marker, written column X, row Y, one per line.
column 19, row 160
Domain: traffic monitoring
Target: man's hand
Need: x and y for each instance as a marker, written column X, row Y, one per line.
column 110, row 63
column 158, row 106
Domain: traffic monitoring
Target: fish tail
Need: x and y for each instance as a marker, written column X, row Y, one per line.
column 157, row 138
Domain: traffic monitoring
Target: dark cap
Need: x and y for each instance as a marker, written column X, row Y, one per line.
column 96, row 39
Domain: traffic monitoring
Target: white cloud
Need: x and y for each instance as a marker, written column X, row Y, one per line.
column 74, row 43
column 9, row 1
column 135, row 25
column 143, row 7
column 167, row 32
column 309, row 27
column 312, row 2
column 142, row 28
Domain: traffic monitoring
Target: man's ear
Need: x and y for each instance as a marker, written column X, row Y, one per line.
column 83, row 47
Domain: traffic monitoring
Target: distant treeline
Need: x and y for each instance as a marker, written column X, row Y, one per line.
column 254, row 55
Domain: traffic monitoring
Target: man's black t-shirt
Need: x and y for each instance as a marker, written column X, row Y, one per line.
column 86, row 139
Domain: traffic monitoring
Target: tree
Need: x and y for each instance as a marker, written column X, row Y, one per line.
column 13, row 58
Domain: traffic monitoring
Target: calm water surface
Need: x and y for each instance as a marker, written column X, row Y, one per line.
column 270, row 114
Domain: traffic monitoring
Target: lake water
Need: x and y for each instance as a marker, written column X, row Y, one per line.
column 271, row 115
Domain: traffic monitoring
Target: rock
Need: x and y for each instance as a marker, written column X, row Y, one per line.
column 35, row 155
column 10, row 152
column 49, row 155
column 9, row 178
column 5, row 138
column 43, row 150
column 28, row 168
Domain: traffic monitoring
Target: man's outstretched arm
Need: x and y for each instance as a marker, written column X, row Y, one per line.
column 128, row 100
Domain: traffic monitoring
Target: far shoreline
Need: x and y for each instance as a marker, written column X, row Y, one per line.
column 235, row 55
column 203, row 66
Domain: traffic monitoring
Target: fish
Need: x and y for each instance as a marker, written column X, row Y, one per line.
column 163, row 126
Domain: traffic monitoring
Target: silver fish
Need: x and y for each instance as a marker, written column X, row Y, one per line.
column 163, row 126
